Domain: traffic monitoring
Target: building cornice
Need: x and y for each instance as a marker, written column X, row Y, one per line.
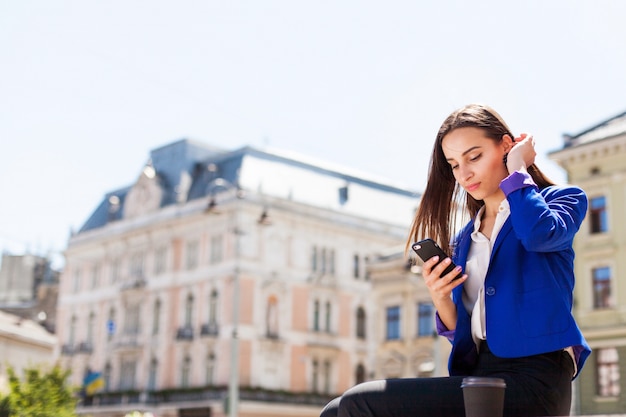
column 590, row 151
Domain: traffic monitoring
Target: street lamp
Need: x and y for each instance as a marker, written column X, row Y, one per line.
column 233, row 382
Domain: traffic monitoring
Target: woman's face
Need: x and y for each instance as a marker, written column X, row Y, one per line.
column 476, row 161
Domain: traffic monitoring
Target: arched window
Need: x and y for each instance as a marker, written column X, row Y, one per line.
column 315, row 375
column 185, row 375
column 91, row 325
column 156, row 316
column 213, row 307
column 272, row 317
column 189, row 311
column 359, row 374
column 326, row 376
column 360, row 323
column 210, row 369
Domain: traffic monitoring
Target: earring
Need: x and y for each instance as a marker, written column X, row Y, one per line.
column 505, row 158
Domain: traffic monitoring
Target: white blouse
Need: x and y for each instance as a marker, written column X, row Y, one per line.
column 476, row 270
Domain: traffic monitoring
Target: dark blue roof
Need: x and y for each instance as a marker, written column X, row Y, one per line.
column 203, row 164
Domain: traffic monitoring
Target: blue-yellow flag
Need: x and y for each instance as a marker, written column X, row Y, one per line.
column 94, row 382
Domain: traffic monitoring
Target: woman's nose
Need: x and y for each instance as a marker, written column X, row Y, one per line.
column 465, row 173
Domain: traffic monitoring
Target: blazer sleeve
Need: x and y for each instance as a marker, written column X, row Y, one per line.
column 544, row 220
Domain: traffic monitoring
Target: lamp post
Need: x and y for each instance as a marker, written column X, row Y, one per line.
column 233, row 381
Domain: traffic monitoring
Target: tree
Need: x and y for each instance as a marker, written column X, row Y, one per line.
column 40, row 393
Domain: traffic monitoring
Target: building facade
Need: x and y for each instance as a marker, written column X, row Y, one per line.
column 407, row 344
column 595, row 160
column 227, row 280
column 29, row 288
column 24, row 344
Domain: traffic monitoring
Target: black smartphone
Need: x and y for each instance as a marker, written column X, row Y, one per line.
column 428, row 248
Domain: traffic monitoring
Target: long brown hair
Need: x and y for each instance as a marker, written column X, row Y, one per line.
column 436, row 215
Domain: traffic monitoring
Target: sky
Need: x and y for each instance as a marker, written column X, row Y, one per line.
column 88, row 88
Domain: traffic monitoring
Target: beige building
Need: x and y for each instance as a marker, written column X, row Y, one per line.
column 23, row 344
column 595, row 160
column 404, row 332
column 147, row 295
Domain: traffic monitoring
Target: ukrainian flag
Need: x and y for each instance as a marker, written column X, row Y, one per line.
column 93, row 382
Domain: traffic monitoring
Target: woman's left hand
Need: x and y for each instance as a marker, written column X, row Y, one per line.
column 522, row 154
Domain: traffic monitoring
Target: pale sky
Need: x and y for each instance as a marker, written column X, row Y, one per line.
column 88, row 88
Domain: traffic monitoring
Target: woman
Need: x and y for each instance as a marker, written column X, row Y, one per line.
column 509, row 314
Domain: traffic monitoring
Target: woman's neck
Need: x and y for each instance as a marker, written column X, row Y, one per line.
column 492, row 204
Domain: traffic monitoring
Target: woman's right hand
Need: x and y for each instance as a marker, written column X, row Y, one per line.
column 440, row 288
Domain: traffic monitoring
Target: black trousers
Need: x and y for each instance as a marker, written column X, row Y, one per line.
column 539, row 385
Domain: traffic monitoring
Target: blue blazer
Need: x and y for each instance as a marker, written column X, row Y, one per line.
column 529, row 282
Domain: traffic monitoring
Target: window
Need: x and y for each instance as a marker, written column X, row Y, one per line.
column 272, row 317
column 425, row 319
column 598, row 215
column 328, row 316
column 160, row 260
column 356, row 272
column 131, row 322
column 95, row 276
column 111, row 324
column 136, row 266
column 210, row 369
column 602, row 288
column 359, row 374
column 314, row 259
column 106, row 375
column 213, row 307
column 607, row 365
column 360, row 323
column 315, row 375
column 156, row 315
column 393, row 323
column 216, row 249
column 76, row 280
column 331, row 261
column 185, row 374
column 152, row 374
column 189, row 311
column 343, row 195
column 91, row 325
column 71, row 340
column 327, row 375
column 127, row 374
column 316, row 315
column 116, row 267
column 192, row 255
column 323, row 260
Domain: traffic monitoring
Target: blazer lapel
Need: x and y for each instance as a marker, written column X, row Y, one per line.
column 507, row 228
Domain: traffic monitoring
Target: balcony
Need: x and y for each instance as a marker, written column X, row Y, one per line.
column 200, row 395
column 134, row 282
column 85, row 347
column 184, row 333
column 210, row 329
column 67, row 349
column 127, row 341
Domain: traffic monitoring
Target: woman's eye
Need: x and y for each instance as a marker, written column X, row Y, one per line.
column 476, row 158
column 454, row 166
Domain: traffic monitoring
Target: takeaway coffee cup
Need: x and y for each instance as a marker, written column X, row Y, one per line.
column 483, row 397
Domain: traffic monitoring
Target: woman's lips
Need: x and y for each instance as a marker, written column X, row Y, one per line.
column 472, row 187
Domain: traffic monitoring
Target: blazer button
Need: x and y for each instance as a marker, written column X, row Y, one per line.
column 490, row 291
